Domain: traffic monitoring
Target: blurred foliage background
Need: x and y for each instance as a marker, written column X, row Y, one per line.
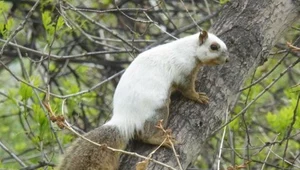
column 75, row 51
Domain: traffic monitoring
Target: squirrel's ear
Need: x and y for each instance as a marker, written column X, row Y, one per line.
column 203, row 36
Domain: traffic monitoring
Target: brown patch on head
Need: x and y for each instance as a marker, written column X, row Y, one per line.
column 203, row 37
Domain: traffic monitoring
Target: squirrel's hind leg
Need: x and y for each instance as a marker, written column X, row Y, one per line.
column 151, row 133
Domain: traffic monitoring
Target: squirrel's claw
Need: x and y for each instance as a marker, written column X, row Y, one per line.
column 202, row 98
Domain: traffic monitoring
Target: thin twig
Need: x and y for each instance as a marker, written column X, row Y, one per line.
column 259, row 95
column 20, row 27
column 290, row 128
column 27, row 77
column 56, row 57
column 56, row 95
column 38, row 166
column 222, row 141
column 104, row 27
column 267, row 74
column 191, row 16
column 117, row 150
column 208, row 11
column 268, row 154
column 183, row 29
column 88, row 36
column 294, row 48
column 155, row 23
column 12, row 154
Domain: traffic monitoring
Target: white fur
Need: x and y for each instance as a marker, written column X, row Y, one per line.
column 145, row 85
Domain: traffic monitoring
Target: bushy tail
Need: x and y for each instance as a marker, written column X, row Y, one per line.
column 83, row 155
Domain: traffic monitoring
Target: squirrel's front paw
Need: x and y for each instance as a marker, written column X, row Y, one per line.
column 202, row 98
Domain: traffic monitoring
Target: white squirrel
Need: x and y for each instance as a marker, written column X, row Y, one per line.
column 142, row 98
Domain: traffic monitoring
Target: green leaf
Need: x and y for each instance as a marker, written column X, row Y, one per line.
column 106, row 2
column 5, row 129
column 67, row 138
column 2, row 26
column 235, row 124
column 48, row 25
column 37, row 112
column 43, row 128
column 46, row 16
column 222, row 2
column 6, row 28
column 272, row 119
column 280, row 121
column 60, row 23
column 9, row 24
column 4, row 7
column 42, row 120
column 25, row 91
column 35, row 140
column 11, row 95
column 20, row 146
column 35, row 80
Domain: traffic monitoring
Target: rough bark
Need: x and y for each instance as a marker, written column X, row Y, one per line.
column 249, row 28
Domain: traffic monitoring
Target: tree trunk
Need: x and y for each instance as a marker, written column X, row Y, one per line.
column 249, row 28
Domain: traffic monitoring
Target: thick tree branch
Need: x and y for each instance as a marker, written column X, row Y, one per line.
column 249, row 28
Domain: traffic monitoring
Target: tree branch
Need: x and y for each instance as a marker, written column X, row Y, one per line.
column 249, row 28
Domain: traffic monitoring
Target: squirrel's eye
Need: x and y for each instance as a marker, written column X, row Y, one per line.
column 214, row 47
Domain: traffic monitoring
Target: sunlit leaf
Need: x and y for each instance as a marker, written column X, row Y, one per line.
column 60, row 23
column 25, row 91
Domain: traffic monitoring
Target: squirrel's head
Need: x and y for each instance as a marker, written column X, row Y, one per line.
column 211, row 50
